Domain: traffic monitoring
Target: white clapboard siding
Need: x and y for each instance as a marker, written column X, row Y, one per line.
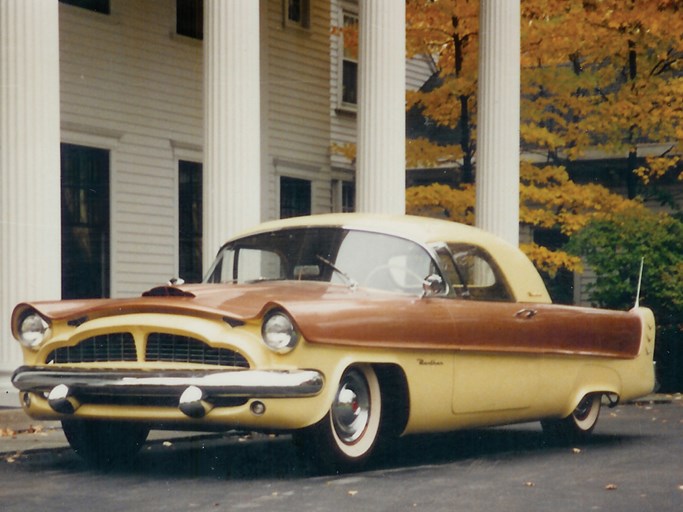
column 296, row 100
column 128, row 77
column 343, row 119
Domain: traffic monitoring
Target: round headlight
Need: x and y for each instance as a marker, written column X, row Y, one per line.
column 279, row 333
column 33, row 330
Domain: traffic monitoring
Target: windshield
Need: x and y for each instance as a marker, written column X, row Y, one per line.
column 354, row 258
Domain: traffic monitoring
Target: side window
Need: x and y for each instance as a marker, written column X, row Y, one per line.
column 476, row 274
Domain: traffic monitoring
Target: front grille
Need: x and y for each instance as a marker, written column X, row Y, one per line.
column 118, row 346
column 173, row 348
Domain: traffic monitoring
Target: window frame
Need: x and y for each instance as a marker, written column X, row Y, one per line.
column 86, row 189
column 304, row 21
column 346, row 12
column 291, row 207
column 193, row 241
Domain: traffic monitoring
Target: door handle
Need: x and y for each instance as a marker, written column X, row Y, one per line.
column 526, row 314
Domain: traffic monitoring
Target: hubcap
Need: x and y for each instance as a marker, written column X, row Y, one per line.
column 351, row 407
column 584, row 408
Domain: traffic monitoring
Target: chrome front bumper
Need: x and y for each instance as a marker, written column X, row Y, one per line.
column 65, row 388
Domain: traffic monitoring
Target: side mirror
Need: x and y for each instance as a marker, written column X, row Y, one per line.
column 433, row 285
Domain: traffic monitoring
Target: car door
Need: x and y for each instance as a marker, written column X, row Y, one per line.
column 491, row 371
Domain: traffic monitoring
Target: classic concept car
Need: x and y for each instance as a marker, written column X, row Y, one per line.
column 346, row 330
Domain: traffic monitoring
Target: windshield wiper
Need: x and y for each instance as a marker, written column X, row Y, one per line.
column 350, row 281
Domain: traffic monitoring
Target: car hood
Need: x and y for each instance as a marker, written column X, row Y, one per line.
column 238, row 302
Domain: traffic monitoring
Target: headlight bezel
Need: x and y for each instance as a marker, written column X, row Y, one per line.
column 32, row 329
column 279, row 332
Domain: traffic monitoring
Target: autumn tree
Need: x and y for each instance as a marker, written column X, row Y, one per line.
column 606, row 76
column 597, row 75
column 446, row 31
column 600, row 75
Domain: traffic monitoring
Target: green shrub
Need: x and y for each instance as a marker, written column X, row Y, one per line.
column 613, row 249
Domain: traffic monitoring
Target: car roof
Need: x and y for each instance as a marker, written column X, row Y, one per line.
column 523, row 278
column 421, row 229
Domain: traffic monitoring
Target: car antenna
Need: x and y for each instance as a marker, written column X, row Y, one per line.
column 640, row 280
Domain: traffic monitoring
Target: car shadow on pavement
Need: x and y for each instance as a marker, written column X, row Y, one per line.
column 252, row 457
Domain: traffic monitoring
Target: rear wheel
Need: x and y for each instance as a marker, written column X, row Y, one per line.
column 102, row 443
column 579, row 424
column 348, row 434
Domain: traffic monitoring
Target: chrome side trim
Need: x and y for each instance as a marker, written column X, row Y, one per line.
column 220, row 383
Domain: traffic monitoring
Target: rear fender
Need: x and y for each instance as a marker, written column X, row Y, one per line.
column 593, row 379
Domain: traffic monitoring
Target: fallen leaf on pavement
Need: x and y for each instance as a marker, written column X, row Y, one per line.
column 12, row 458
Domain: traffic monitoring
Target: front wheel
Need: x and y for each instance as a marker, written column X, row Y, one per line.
column 348, row 434
column 579, row 424
column 104, row 444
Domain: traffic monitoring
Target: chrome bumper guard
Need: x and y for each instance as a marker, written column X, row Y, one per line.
column 194, row 390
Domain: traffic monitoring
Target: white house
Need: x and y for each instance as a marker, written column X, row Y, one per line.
column 120, row 120
column 136, row 135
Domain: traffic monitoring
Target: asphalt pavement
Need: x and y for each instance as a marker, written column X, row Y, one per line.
column 632, row 463
column 19, row 433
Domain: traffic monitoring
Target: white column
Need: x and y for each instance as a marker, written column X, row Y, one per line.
column 497, row 196
column 232, row 130
column 30, row 240
column 380, row 176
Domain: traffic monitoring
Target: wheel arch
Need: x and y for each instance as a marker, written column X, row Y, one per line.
column 395, row 398
column 591, row 380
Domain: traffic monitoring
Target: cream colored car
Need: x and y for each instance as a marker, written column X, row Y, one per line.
column 346, row 330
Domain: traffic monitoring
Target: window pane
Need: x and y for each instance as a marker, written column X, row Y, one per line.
column 92, row 5
column 295, row 197
column 190, row 18
column 326, row 254
column 348, row 197
column 190, row 221
column 297, row 12
column 294, row 10
column 350, row 82
column 482, row 277
column 85, row 222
